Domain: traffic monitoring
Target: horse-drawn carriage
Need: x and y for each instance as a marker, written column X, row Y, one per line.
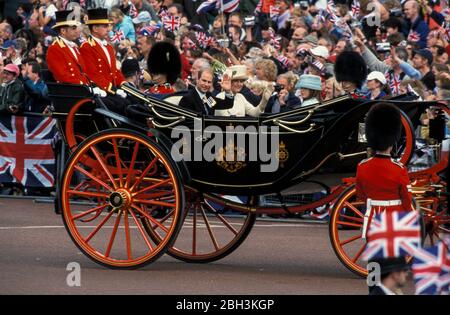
column 133, row 188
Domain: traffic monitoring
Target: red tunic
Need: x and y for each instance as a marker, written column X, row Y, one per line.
column 98, row 69
column 382, row 178
column 161, row 89
column 63, row 64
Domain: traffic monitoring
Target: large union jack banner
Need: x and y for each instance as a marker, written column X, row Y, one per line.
column 26, row 154
column 431, row 268
column 393, row 234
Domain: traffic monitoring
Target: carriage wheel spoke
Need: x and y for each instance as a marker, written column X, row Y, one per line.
column 194, row 231
column 85, row 213
column 127, row 234
column 87, row 193
column 155, row 203
column 224, row 221
column 150, row 218
column 208, row 226
column 354, row 219
column 141, row 231
column 348, row 204
column 348, row 224
column 131, row 167
column 118, row 161
column 99, row 226
column 95, row 179
column 359, row 253
column 145, row 172
column 154, row 186
column 351, row 239
column 104, row 166
column 113, row 234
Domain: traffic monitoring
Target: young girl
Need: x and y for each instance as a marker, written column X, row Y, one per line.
column 310, row 89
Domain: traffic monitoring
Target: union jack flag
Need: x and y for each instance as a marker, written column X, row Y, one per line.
column 133, row 11
column 394, row 82
column 209, row 5
column 393, row 234
column 356, row 7
column 204, row 39
column 117, row 37
column 284, row 61
column 163, row 12
column 331, row 9
column 26, row 154
column 275, row 41
column 150, row 30
column 431, row 269
column 258, row 7
column 274, row 11
column 172, row 23
column 413, row 36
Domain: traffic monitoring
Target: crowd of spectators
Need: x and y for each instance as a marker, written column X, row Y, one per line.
column 288, row 43
column 288, row 48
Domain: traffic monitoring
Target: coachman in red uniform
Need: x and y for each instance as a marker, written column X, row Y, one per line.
column 99, row 55
column 100, row 60
column 63, row 56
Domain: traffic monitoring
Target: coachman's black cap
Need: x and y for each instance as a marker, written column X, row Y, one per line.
column 66, row 18
column 98, row 16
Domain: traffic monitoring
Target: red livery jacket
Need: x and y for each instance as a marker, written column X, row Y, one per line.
column 98, row 69
column 63, row 64
column 382, row 178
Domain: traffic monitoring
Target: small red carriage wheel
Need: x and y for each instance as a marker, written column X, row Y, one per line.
column 207, row 233
column 73, row 139
column 345, row 231
column 103, row 202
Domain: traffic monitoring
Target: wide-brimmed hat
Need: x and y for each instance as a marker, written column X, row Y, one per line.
column 377, row 75
column 309, row 81
column 12, row 68
column 65, row 18
column 238, row 72
column 143, row 17
column 320, row 51
column 98, row 16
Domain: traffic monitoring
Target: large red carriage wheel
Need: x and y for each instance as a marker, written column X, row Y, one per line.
column 72, row 138
column 345, row 229
column 207, row 233
column 103, row 201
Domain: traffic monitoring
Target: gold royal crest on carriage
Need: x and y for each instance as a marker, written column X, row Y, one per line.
column 231, row 158
column 282, row 154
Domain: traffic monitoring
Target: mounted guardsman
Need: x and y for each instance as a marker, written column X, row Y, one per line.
column 351, row 72
column 164, row 66
column 100, row 60
column 380, row 180
column 63, row 57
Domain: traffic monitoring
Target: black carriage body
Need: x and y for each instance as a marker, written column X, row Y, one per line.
column 311, row 140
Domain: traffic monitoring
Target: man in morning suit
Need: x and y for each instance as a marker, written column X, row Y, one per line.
column 200, row 100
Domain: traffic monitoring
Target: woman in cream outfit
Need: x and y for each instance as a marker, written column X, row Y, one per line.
column 241, row 106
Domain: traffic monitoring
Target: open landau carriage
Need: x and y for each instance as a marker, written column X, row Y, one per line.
column 127, row 197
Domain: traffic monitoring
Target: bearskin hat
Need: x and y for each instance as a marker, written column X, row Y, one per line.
column 350, row 67
column 164, row 58
column 383, row 126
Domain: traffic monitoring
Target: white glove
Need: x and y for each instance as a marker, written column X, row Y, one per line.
column 99, row 92
column 121, row 93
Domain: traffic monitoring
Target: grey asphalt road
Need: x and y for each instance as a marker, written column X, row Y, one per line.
column 277, row 258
